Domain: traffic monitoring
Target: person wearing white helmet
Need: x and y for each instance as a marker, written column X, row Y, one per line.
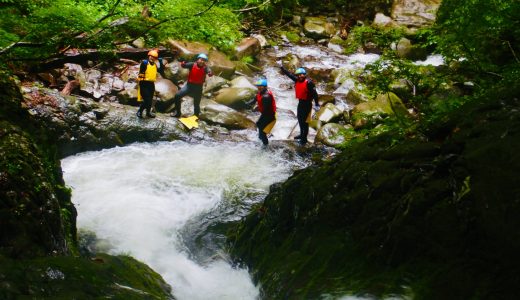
column 147, row 75
column 193, row 87
column 305, row 93
column 267, row 107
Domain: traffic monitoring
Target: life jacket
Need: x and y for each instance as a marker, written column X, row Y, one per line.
column 197, row 74
column 150, row 73
column 261, row 105
column 301, row 90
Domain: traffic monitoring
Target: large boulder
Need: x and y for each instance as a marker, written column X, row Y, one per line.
column 188, row 50
column 328, row 113
column 81, row 124
column 39, row 255
column 318, row 28
column 226, row 117
column 372, row 112
column 415, row 13
column 236, row 96
column 221, row 65
column 249, row 46
column 437, row 214
column 334, row 134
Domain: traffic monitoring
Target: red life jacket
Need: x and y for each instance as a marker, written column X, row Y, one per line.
column 301, row 90
column 197, row 74
column 261, row 105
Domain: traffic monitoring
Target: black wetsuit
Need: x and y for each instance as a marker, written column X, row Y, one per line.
column 267, row 115
column 304, row 105
column 191, row 89
column 147, row 87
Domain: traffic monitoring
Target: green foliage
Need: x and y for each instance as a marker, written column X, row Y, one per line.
column 484, row 34
column 219, row 26
column 359, row 36
column 40, row 29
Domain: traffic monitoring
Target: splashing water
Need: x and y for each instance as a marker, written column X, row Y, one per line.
column 140, row 197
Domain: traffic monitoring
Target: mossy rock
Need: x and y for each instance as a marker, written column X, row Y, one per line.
column 433, row 219
column 67, row 277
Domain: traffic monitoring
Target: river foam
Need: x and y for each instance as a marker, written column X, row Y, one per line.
column 139, row 198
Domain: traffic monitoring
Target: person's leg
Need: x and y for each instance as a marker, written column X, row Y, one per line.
column 146, row 89
column 178, row 99
column 150, row 101
column 197, row 96
column 304, row 108
column 261, row 124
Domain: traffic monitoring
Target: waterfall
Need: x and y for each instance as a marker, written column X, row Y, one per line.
column 155, row 201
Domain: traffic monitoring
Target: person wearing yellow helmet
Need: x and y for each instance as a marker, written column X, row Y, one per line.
column 147, row 75
column 305, row 93
column 196, row 78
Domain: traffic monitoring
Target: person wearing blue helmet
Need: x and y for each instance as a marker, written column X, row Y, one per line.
column 195, row 82
column 267, row 106
column 305, row 93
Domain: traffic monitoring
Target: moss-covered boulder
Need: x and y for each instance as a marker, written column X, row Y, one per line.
column 39, row 256
column 434, row 218
column 36, row 215
column 67, row 277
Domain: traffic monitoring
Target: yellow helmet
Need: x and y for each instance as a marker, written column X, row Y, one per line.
column 153, row 53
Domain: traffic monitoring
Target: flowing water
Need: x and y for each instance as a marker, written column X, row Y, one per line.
column 166, row 204
column 159, row 202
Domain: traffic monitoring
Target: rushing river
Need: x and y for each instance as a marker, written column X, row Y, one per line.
column 164, row 203
column 155, row 202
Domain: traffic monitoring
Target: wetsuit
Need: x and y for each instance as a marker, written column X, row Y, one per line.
column 305, row 93
column 267, row 107
column 193, row 87
column 147, row 75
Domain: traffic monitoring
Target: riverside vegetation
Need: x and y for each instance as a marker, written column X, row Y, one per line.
column 421, row 204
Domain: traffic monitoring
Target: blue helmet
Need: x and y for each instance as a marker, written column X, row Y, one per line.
column 261, row 82
column 300, row 71
column 203, row 56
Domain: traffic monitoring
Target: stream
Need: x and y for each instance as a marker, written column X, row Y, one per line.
column 165, row 203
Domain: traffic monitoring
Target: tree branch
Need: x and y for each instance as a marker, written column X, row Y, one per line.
column 20, row 44
column 110, row 12
column 512, row 51
column 252, row 8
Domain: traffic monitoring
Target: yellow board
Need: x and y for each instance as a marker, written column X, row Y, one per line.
column 309, row 117
column 269, row 127
column 139, row 98
column 190, row 122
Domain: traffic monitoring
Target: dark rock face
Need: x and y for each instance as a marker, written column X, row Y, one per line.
column 39, row 255
column 438, row 216
column 37, row 217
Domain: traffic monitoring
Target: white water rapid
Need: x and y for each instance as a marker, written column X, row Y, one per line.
column 155, row 202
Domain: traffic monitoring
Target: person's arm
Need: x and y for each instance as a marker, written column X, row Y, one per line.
column 160, row 67
column 208, row 71
column 142, row 70
column 289, row 74
column 312, row 92
column 187, row 65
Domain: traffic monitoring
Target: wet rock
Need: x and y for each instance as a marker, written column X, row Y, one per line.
column 328, row 113
column 188, row 50
column 226, row 117
column 333, row 134
column 221, row 65
column 415, row 13
column 249, row 46
column 318, row 28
